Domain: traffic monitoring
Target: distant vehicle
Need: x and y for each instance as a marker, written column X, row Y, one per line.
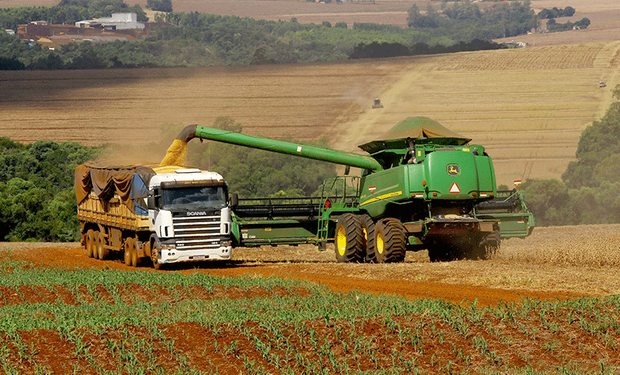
column 377, row 103
column 601, row 84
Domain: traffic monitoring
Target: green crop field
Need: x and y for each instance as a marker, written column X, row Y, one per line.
column 72, row 321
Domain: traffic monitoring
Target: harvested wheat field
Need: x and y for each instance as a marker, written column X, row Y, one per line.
column 543, row 304
column 527, row 106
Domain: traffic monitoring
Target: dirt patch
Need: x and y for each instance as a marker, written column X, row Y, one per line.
column 517, row 272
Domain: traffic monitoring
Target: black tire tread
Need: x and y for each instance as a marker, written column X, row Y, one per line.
column 368, row 224
column 354, row 251
column 394, row 239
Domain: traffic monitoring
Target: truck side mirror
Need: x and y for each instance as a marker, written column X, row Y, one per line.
column 234, row 200
column 151, row 201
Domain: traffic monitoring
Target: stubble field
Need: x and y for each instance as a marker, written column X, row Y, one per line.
column 528, row 106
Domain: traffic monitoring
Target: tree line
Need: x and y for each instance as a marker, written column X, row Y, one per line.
column 588, row 192
column 555, row 13
column 37, row 198
column 198, row 39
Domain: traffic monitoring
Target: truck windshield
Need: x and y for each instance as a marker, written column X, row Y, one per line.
column 194, row 198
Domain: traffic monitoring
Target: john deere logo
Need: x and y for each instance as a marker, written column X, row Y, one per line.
column 454, row 170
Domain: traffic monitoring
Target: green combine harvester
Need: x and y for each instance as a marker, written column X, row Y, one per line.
column 421, row 187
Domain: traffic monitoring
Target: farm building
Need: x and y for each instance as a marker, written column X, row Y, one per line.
column 118, row 21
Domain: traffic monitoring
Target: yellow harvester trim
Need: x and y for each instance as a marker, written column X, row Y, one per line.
column 341, row 241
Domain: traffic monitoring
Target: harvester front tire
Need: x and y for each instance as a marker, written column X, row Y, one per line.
column 90, row 243
column 349, row 239
column 390, row 241
column 102, row 252
column 368, row 228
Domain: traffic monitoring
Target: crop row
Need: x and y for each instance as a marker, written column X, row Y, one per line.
column 313, row 332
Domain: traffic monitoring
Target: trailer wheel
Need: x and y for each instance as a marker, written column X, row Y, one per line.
column 133, row 253
column 90, row 243
column 390, row 241
column 129, row 243
column 102, row 252
column 349, row 239
column 368, row 228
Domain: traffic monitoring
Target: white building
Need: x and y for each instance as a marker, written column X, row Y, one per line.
column 118, row 21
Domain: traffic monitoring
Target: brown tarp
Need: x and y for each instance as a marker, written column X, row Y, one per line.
column 106, row 179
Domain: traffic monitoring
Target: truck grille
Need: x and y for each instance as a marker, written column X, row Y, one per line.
column 197, row 232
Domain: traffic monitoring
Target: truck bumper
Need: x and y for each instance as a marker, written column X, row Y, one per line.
column 169, row 256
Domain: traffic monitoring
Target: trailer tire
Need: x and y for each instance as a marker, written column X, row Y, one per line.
column 129, row 243
column 90, row 243
column 102, row 252
column 390, row 241
column 133, row 252
column 349, row 239
column 368, row 228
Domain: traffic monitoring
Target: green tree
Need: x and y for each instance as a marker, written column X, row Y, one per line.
column 546, row 199
column 598, row 142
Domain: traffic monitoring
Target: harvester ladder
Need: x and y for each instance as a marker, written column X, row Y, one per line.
column 334, row 198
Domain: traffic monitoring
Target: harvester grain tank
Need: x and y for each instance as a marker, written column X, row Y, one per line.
column 418, row 189
column 169, row 214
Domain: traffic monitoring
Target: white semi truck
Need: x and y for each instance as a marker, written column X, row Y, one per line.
column 169, row 214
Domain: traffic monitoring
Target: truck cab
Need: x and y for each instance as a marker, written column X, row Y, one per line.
column 189, row 215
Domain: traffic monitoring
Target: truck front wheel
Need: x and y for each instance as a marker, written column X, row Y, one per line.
column 390, row 241
column 349, row 239
column 155, row 251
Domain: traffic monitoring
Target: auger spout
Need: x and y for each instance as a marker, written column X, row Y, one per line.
column 289, row 148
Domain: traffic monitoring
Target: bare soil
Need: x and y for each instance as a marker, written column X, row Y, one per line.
column 558, row 263
column 553, row 263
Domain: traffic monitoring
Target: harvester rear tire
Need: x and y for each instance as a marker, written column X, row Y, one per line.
column 349, row 239
column 90, row 243
column 368, row 228
column 489, row 246
column 390, row 241
column 129, row 243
